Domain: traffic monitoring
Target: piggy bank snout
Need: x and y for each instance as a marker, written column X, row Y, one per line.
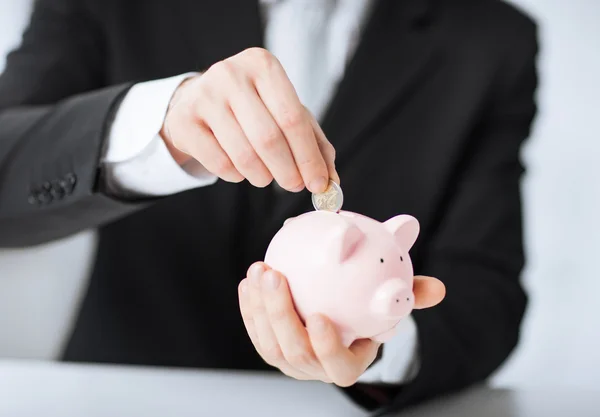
column 393, row 299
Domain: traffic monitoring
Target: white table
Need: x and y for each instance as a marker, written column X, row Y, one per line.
column 29, row 388
column 489, row 402
column 55, row 389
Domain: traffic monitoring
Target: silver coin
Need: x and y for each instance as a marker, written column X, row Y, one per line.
column 329, row 200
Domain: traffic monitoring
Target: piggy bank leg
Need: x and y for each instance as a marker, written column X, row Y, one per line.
column 385, row 336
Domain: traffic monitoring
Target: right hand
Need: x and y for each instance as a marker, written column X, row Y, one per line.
column 242, row 119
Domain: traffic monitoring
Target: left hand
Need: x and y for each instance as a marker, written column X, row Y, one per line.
column 314, row 352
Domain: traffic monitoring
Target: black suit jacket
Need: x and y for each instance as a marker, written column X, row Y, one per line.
column 428, row 120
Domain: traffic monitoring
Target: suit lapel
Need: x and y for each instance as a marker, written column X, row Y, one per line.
column 390, row 61
column 395, row 54
column 217, row 29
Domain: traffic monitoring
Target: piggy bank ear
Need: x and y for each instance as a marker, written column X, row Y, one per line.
column 405, row 229
column 345, row 240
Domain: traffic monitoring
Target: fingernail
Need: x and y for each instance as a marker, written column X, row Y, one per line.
column 318, row 185
column 336, row 178
column 298, row 188
column 256, row 272
column 317, row 324
column 270, row 281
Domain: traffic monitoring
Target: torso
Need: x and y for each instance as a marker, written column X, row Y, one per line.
column 164, row 289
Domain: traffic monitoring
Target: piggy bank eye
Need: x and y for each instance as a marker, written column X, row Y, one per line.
column 401, row 259
column 381, row 260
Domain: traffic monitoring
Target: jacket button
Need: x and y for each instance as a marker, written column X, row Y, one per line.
column 35, row 197
column 57, row 190
column 69, row 182
column 44, row 197
column 32, row 199
column 46, row 194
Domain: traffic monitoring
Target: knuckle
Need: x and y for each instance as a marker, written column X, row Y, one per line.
column 311, row 162
column 259, row 57
column 327, row 350
column 221, row 68
column 288, row 373
column 236, row 179
column 300, row 359
column 330, row 150
column 270, row 139
column 278, row 314
column 223, row 76
column 344, row 381
column 261, row 181
column 205, row 98
column 258, row 307
column 233, row 75
column 182, row 108
column 273, row 354
column 291, row 184
column 246, row 160
column 292, row 374
column 222, row 165
column 255, row 52
column 291, row 118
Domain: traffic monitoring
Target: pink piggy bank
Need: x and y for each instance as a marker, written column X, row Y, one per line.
column 349, row 267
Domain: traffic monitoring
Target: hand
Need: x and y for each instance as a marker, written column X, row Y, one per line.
column 242, row 119
column 314, row 352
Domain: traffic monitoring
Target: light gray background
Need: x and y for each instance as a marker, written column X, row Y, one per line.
column 40, row 287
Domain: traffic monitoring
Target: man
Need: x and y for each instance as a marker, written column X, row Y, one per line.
column 142, row 119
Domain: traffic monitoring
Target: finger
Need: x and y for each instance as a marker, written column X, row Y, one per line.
column 289, row 330
column 266, row 138
column 340, row 364
column 193, row 137
column 365, row 350
column 280, row 98
column 269, row 348
column 246, row 311
column 295, row 124
column 233, row 141
column 428, row 292
column 267, row 343
column 327, row 150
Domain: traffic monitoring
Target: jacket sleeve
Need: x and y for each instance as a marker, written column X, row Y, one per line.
column 477, row 246
column 54, row 110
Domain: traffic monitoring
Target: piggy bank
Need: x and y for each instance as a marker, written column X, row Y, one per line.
column 353, row 269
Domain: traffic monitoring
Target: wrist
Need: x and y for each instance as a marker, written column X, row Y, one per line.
column 178, row 155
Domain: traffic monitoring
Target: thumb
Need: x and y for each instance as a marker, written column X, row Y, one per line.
column 428, row 292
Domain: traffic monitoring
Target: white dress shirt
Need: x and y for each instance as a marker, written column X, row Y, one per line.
column 313, row 40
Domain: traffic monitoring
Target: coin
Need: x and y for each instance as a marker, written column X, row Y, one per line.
column 329, row 200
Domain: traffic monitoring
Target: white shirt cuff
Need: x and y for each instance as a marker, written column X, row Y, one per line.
column 399, row 362
column 137, row 162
